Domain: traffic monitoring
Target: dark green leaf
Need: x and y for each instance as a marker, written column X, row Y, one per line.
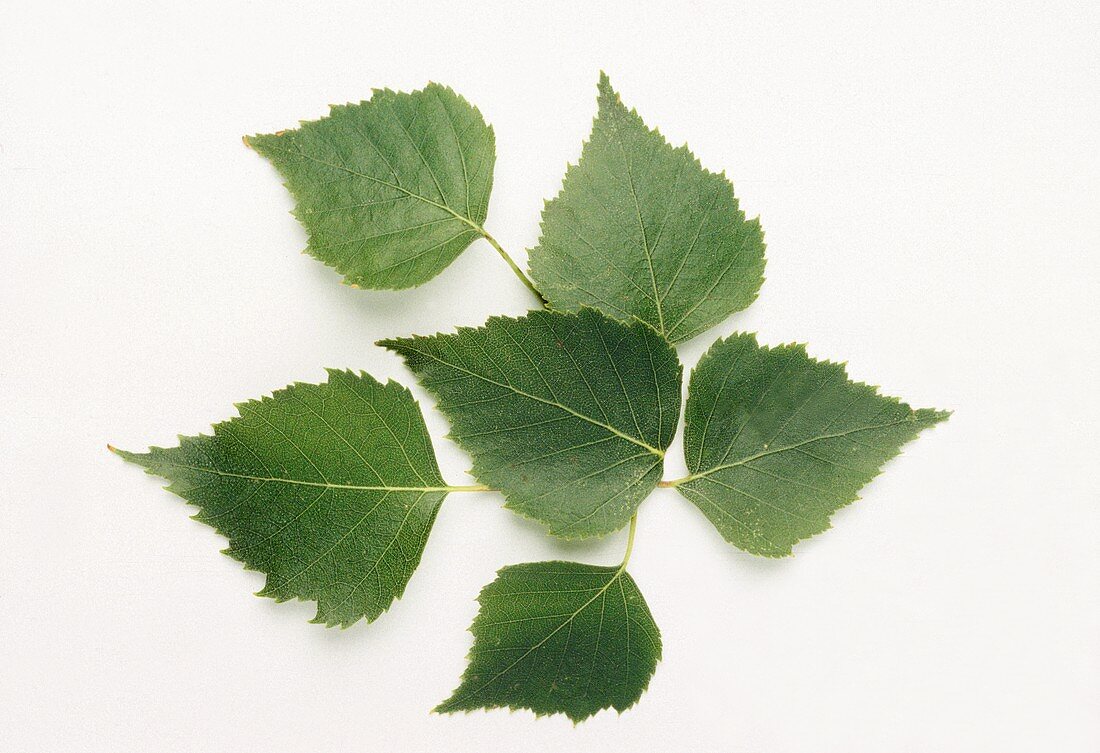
column 559, row 638
column 390, row 190
column 641, row 230
column 330, row 489
column 568, row 415
column 777, row 441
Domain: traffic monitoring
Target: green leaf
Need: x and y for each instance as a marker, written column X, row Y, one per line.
column 777, row 441
column 567, row 414
column 641, row 230
column 559, row 638
column 390, row 190
column 330, row 489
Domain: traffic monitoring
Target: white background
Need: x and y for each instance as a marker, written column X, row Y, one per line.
column 928, row 181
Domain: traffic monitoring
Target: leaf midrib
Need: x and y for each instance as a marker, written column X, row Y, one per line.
column 658, row 452
column 411, row 194
column 316, row 484
column 787, row 448
column 645, row 239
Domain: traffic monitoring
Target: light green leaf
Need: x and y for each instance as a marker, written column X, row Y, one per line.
column 777, row 441
column 567, row 414
column 390, row 190
column 330, row 489
column 641, row 230
column 559, row 638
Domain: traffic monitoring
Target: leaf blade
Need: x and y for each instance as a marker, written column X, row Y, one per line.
column 618, row 238
column 776, row 441
column 539, row 643
column 390, row 190
column 330, row 490
column 567, row 414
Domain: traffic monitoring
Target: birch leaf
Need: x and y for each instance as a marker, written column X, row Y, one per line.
column 390, row 190
column 329, row 489
column 776, row 441
column 559, row 638
column 640, row 230
column 568, row 414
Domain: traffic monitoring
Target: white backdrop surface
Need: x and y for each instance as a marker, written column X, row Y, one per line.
column 927, row 178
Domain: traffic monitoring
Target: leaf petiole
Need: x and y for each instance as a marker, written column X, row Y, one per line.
column 664, row 484
column 515, row 268
column 468, row 488
column 629, row 541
